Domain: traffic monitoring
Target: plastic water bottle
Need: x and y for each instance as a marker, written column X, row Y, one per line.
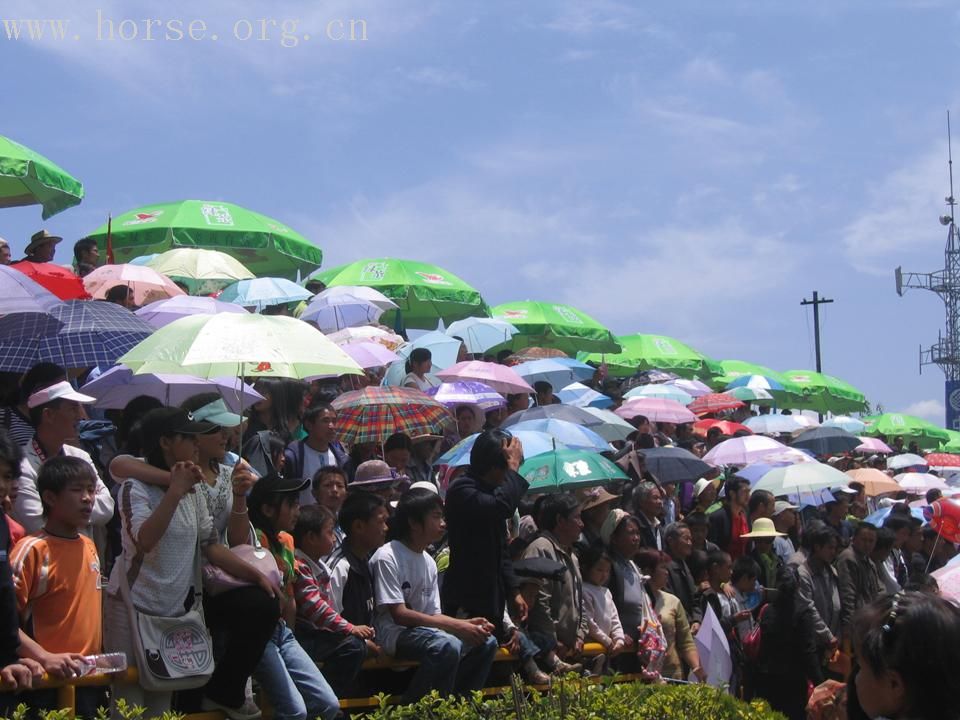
column 104, row 664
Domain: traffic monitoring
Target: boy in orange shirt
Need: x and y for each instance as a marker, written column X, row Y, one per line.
column 57, row 574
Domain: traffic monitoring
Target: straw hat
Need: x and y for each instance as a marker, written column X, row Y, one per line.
column 763, row 528
column 40, row 238
column 595, row 496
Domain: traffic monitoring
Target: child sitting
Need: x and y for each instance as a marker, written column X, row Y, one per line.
column 322, row 631
column 603, row 620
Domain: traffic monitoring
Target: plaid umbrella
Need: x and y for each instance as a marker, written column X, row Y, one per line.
column 375, row 413
column 714, row 402
column 75, row 334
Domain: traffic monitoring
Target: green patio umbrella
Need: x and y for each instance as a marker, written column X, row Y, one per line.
column 953, row 444
column 563, row 470
column 552, row 325
column 910, row 428
column 655, row 352
column 424, row 293
column 28, row 178
column 825, row 394
column 265, row 246
column 734, row 369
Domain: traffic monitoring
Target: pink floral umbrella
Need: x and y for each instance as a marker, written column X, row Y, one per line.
column 147, row 284
column 501, row 378
column 656, row 409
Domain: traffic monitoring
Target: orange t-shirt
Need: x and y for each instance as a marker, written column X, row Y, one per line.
column 59, row 592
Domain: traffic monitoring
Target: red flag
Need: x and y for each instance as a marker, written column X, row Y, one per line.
column 110, row 260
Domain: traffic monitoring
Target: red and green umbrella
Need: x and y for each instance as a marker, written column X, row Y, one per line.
column 825, row 393
column 28, row 178
column 557, row 326
column 265, row 246
column 424, row 293
column 655, row 352
column 375, row 413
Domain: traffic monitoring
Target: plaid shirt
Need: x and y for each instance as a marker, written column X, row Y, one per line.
column 311, row 585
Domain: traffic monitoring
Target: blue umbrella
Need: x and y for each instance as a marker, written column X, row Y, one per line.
column 20, row 294
column 481, row 334
column 443, row 349
column 754, row 472
column 263, row 292
column 574, row 436
column 579, row 395
column 81, row 334
column 755, row 382
column 844, row 422
column 534, row 443
column 669, row 392
column 877, row 518
column 559, row 372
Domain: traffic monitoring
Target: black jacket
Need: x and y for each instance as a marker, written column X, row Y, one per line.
column 358, row 602
column 721, row 527
column 480, row 572
column 9, row 621
column 680, row 583
column 649, row 534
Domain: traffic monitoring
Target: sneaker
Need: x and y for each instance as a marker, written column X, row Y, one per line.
column 247, row 711
column 562, row 668
column 533, row 675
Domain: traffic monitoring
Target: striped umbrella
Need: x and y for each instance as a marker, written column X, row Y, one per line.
column 375, row 413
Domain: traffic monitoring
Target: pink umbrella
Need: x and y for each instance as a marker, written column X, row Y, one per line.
column 873, row 445
column 919, row 482
column 370, row 354
column 948, row 578
column 501, row 378
column 147, row 284
column 747, row 449
column 693, row 388
column 164, row 312
column 656, row 409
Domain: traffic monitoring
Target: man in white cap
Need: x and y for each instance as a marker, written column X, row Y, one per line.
column 55, row 411
column 784, row 520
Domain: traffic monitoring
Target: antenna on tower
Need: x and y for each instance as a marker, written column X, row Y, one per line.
column 951, row 201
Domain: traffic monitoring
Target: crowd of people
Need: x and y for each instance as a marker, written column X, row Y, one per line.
column 304, row 558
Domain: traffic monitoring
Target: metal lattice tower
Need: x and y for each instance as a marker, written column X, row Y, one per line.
column 946, row 283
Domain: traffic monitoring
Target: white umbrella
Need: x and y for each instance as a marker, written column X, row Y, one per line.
column 481, row 334
column 802, row 477
column 906, row 460
column 919, row 482
column 773, row 424
column 346, row 306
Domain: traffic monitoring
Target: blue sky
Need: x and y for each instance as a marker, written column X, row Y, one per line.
column 693, row 168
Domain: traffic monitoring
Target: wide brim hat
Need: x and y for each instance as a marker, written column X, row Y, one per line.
column 763, row 528
column 40, row 238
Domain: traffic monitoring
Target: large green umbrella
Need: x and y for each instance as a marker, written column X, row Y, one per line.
column 562, row 470
column 953, row 444
column 28, row 178
column 235, row 345
column 735, row 369
column 551, row 325
column 264, row 245
column 910, row 428
column 655, row 352
column 825, row 393
column 424, row 293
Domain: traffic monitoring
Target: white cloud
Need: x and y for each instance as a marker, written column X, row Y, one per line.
column 581, row 17
column 932, row 410
column 441, row 77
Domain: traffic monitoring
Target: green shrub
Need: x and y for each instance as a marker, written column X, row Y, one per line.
column 572, row 698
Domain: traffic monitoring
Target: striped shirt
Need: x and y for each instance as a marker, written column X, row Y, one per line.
column 312, row 591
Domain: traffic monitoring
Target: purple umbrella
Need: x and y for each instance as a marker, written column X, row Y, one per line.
column 467, row 392
column 20, row 294
column 118, row 386
column 164, row 312
column 370, row 354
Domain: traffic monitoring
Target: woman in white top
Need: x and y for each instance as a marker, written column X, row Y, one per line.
column 418, row 366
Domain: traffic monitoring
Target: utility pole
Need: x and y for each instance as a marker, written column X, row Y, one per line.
column 816, row 302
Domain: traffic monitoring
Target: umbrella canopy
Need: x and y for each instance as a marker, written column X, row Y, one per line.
column 802, row 477
column 597, row 420
column 906, row 460
column 263, row 292
column 265, row 246
column 910, row 428
column 693, row 388
column 534, row 353
column 773, row 424
column 607, row 425
column 952, row 444
column 501, row 378
column 948, row 580
column 203, row 271
column 919, row 483
column 874, row 481
column 375, row 413
column 665, row 391
column 655, row 352
column 713, row 403
column 559, row 372
column 756, row 382
column 942, row 460
column 55, row 278
column 534, row 443
column 388, row 339
column 20, row 294
column 240, row 345
column 147, row 284
column 164, row 312
column 752, row 395
column 481, row 334
column 370, row 354
column 28, row 178
column 826, row 441
column 671, row 464
column 873, row 445
column 563, row 470
column 554, row 325
column 579, row 395
column 570, row 434
column 444, row 349
column 730, row 370
column 347, row 306
column 844, row 422
column 467, row 392
column 424, row 293
column 118, row 386
column 825, row 393
column 656, row 409
column 726, row 427
column 877, row 518
column 745, row 450
column 754, row 471
column 74, row 334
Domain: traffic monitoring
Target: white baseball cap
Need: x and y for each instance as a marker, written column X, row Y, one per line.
column 58, row 391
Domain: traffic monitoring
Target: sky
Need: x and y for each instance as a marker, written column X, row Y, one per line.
column 693, row 169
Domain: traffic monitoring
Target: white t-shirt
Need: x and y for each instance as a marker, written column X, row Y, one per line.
column 313, row 460
column 428, row 381
column 402, row 577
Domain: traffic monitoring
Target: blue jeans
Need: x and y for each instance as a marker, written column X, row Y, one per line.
column 291, row 680
column 342, row 656
column 446, row 664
